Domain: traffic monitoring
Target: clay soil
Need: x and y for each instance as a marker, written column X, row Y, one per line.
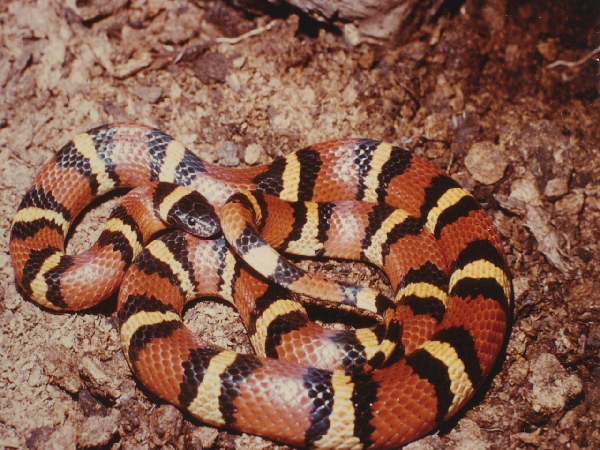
column 478, row 91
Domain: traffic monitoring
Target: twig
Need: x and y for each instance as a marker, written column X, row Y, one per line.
column 223, row 40
column 560, row 62
column 250, row 33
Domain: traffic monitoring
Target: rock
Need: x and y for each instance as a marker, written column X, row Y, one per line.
column 99, row 383
column 64, row 437
column 228, row 154
column 556, row 188
column 213, row 67
column 167, row 423
column 435, row 128
column 486, row 162
column 252, row 153
column 545, row 153
column 61, row 367
column 552, row 385
column 97, row 431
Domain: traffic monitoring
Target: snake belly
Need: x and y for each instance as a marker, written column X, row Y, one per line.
column 288, row 396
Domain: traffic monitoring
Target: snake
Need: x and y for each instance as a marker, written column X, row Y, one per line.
column 192, row 229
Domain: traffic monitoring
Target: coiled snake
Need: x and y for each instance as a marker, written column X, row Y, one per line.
column 308, row 386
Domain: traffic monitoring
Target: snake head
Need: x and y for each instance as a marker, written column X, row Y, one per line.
column 187, row 210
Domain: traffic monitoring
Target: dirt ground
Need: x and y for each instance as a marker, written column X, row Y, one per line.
column 503, row 95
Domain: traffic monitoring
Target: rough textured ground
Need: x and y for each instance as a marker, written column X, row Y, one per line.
column 475, row 92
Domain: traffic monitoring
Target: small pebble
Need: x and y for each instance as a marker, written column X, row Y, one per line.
column 486, row 162
column 228, row 155
column 252, row 153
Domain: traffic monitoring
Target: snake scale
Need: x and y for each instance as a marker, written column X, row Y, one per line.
column 307, row 386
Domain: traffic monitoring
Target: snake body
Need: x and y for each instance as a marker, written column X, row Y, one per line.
column 308, row 386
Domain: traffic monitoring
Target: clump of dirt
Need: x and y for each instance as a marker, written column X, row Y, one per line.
column 503, row 95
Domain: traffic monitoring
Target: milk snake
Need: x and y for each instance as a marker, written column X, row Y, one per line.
column 309, row 386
